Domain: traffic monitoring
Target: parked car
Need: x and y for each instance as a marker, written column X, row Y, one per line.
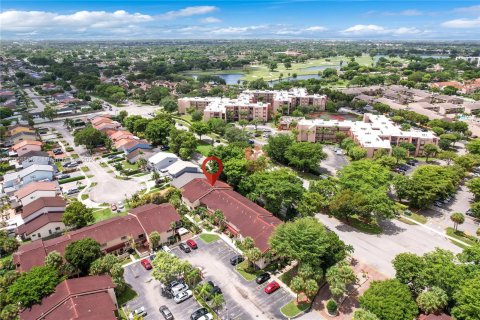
column 120, row 205
column 438, row 204
column 272, row 287
column 469, row 212
column 174, row 283
column 192, row 244
column 165, row 312
column 164, row 148
column 182, row 296
column 57, row 151
column 140, row 312
column 236, row 260
column 72, row 191
column 146, row 264
column 184, row 247
column 411, row 162
column 113, row 207
column 166, row 249
column 179, row 288
column 251, row 142
column 262, row 278
column 198, row 314
column 63, row 176
column 66, row 164
column 207, row 316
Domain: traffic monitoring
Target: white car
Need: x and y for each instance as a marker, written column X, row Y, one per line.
column 120, row 205
column 182, row 296
column 179, row 288
column 208, row 316
column 138, row 312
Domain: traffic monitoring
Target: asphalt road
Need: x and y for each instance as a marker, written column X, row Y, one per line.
column 379, row 250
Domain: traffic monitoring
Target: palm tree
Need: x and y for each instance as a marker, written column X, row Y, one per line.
column 193, row 276
column 203, row 290
column 173, row 227
column 217, row 301
column 142, row 163
column 253, row 255
column 457, row 218
column 219, row 218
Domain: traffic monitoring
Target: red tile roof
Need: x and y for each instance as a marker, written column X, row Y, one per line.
column 40, row 221
column 101, row 119
column 134, row 224
column 245, row 216
column 25, row 143
column 148, row 216
column 35, row 186
column 78, row 298
column 43, row 202
column 442, row 316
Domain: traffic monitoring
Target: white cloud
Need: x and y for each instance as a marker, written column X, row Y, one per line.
column 462, row 23
column 26, row 21
column 406, row 13
column 188, row 12
column 316, row 29
column 372, row 30
column 210, row 20
column 468, row 10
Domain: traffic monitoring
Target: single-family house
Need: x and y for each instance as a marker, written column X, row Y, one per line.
column 472, row 108
column 134, row 156
column 161, row 160
column 35, row 157
column 135, row 144
column 12, row 130
column 86, row 298
column 36, row 190
column 448, row 107
column 121, row 134
column 180, row 167
column 114, row 235
column 22, row 136
column 36, row 172
column 26, row 146
column 41, row 206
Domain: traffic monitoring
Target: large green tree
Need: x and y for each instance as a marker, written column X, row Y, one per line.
column 33, row 285
column 307, row 241
column 276, row 189
column 389, row 300
column 90, row 138
column 305, row 155
column 77, row 215
column 82, row 253
column 277, row 147
column 157, row 131
column 467, row 303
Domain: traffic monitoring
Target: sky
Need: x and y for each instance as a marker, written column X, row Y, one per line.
column 237, row 19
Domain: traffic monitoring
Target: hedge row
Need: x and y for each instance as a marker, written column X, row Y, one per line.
column 111, row 154
column 115, row 160
column 71, row 179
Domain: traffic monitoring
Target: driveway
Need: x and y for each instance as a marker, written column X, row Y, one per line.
column 379, row 250
column 244, row 299
column 334, row 162
column 150, row 297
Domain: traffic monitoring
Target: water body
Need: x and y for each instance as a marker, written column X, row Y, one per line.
column 299, row 77
column 319, row 68
column 230, row 78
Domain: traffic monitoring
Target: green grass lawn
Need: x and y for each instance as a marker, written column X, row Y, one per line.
column 262, row 71
column 128, row 295
column 241, row 269
column 208, row 238
column 364, row 227
column 84, row 196
column 460, row 235
column 85, row 169
column 127, row 165
column 414, row 216
column 291, row 309
column 204, row 148
column 106, row 213
column 74, row 156
column 59, row 166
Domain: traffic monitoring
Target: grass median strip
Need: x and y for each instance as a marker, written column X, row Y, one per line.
column 292, row 309
column 209, row 238
column 247, row 275
column 71, row 179
column 462, row 236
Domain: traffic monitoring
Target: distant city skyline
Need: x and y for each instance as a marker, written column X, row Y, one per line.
column 267, row 19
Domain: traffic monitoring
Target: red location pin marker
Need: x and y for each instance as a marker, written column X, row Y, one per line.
column 212, row 177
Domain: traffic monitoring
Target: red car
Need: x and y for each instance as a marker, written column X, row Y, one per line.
column 192, row 244
column 146, row 264
column 272, row 287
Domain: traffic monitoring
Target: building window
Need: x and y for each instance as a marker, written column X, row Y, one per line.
column 49, row 231
column 39, row 235
column 141, row 236
column 124, row 238
column 57, row 229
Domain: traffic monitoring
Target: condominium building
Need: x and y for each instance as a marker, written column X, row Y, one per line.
column 374, row 132
column 252, row 104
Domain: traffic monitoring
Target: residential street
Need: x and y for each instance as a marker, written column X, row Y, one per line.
column 379, row 250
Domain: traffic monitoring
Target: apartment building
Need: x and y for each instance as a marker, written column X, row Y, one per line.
column 252, row 104
column 374, row 132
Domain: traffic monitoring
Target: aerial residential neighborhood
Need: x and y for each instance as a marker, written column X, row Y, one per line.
column 226, row 160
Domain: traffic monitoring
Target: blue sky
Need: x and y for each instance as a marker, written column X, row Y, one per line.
column 251, row 19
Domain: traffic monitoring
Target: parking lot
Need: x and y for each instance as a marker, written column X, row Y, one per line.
column 244, row 299
column 149, row 295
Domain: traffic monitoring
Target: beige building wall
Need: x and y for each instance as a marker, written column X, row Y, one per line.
column 47, row 230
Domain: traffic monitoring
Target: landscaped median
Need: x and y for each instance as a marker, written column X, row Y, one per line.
column 71, row 179
column 292, row 309
column 461, row 236
column 209, row 238
column 242, row 269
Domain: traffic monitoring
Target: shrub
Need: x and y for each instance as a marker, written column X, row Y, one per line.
column 332, row 307
column 71, row 179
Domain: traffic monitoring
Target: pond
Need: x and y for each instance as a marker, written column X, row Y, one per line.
column 318, row 68
column 300, row 77
column 230, row 78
